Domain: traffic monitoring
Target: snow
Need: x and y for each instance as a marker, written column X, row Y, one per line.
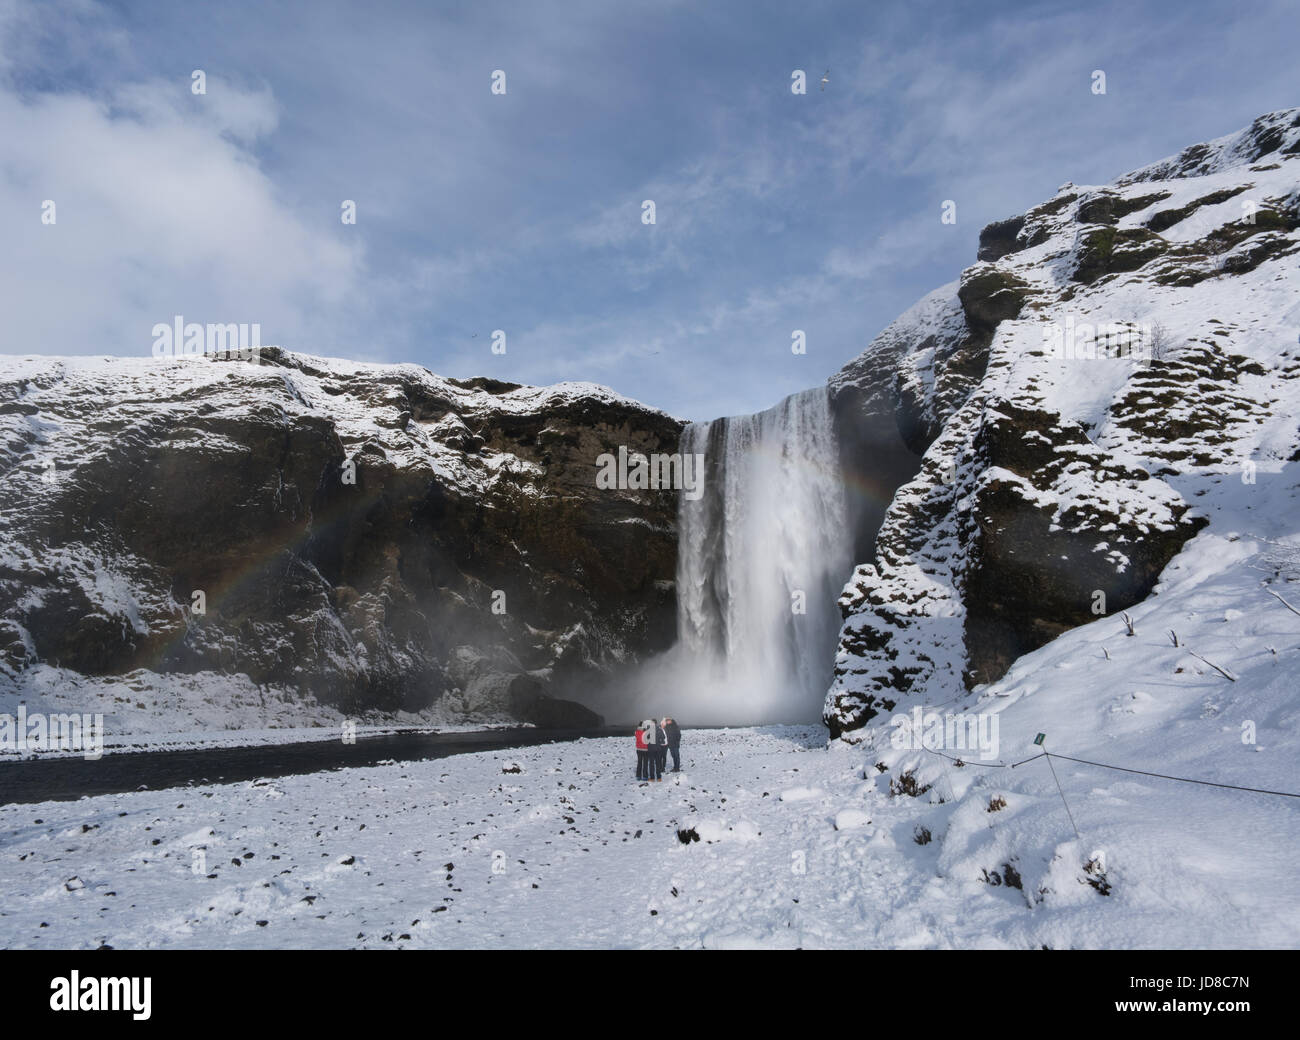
column 571, row 852
column 1187, row 865
column 801, row 794
column 848, row 819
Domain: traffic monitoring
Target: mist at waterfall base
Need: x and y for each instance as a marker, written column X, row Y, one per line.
column 763, row 554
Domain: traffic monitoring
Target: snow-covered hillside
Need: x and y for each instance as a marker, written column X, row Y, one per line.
column 1081, row 396
column 1102, row 544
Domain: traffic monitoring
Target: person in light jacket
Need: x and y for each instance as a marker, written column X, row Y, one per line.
column 653, row 737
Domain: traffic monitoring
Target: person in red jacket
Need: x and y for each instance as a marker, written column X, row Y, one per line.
column 642, row 755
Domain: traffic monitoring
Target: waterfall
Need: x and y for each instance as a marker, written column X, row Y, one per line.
column 772, row 522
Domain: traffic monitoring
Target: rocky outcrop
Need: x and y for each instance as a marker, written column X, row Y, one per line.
column 1115, row 354
column 1054, row 521
column 1001, row 238
column 372, row 537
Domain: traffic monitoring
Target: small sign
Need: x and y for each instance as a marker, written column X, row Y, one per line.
column 1040, row 738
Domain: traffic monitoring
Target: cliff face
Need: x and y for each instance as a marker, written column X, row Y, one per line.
column 1117, row 352
column 371, row 537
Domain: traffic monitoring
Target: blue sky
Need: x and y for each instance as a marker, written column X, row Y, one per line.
column 522, row 212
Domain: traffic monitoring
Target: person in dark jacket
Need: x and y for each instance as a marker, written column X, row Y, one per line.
column 673, row 734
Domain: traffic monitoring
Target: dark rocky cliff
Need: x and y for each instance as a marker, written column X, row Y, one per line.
column 371, row 537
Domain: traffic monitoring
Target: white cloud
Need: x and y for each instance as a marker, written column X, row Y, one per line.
column 161, row 209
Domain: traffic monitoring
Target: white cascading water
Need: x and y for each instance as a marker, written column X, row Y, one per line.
column 772, row 522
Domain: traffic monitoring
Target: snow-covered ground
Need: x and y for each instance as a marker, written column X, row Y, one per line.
column 558, row 846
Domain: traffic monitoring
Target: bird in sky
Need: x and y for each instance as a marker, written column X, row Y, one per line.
column 826, row 78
